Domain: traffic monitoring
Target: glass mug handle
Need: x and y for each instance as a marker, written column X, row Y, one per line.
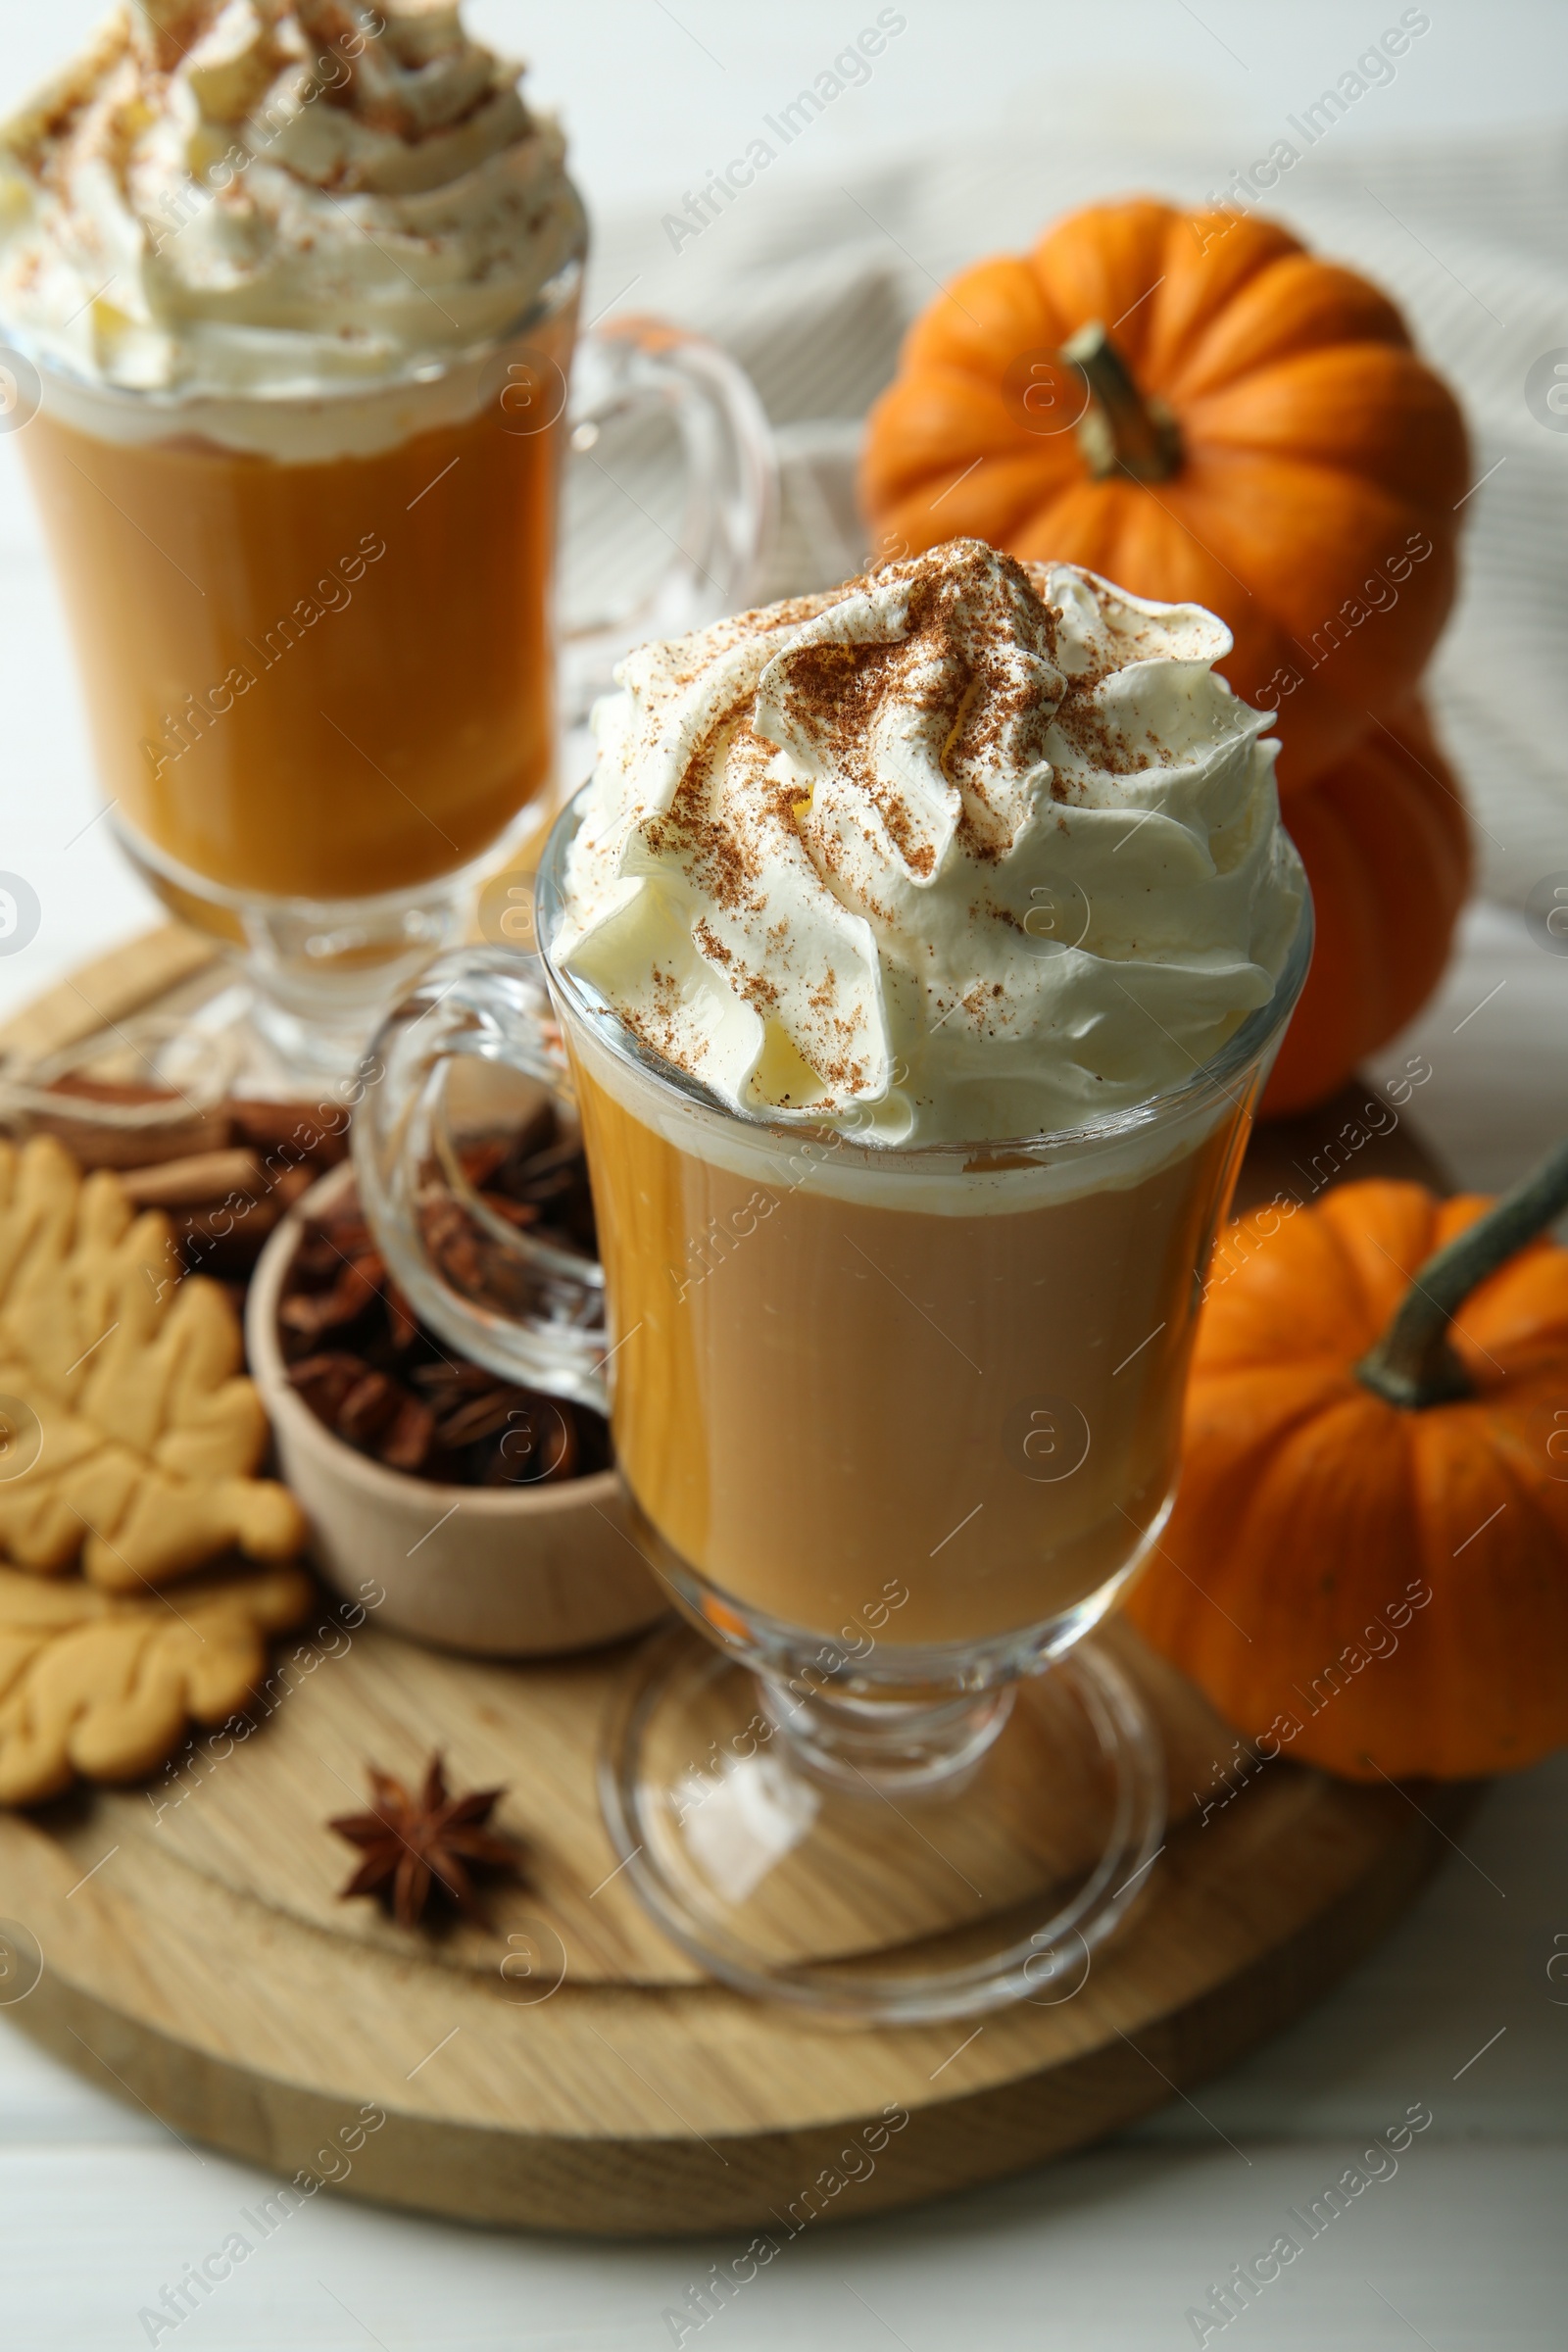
column 732, row 508
column 470, row 1056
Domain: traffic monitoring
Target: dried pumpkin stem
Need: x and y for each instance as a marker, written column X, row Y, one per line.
column 1414, row 1363
column 1120, row 431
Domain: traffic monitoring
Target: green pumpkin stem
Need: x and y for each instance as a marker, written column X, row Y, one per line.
column 1414, row 1364
column 1121, row 430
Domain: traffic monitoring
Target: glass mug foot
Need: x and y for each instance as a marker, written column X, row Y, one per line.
column 322, row 971
column 957, row 1856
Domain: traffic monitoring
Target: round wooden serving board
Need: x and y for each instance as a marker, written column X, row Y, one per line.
column 208, row 1969
column 570, row 2069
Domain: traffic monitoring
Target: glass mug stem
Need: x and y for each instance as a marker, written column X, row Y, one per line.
column 885, row 1745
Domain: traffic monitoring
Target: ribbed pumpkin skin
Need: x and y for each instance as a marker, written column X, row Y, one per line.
column 1318, row 449
column 1309, row 1508
column 1386, row 844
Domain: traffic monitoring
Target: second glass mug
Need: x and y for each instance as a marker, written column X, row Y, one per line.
column 897, row 1427
column 318, row 640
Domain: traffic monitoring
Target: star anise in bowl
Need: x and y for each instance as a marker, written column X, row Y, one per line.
column 418, row 1845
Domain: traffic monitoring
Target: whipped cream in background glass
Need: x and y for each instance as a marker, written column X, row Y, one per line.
column 254, row 202
column 968, row 851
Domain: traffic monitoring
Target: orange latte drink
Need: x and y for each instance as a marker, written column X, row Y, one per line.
column 320, row 680
column 921, row 948
column 299, row 281
column 958, row 1384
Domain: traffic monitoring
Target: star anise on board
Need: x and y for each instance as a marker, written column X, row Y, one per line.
column 416, row 1843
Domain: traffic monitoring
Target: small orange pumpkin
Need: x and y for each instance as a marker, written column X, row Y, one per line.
column 1367, row 1567
column 1384, row 841
column 1193, row 405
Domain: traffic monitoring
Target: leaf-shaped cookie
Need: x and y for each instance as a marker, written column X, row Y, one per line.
column 102, row 1689
column 144, row 1434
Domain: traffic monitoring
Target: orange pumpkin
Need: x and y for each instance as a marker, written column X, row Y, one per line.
column 1367, row 1567
column 1193, row 405
column 1386, row 845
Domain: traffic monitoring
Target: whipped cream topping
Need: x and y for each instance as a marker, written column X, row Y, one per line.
column 966, row 851
column 276, row 197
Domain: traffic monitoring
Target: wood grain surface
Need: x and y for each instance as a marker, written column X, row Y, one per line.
column 131, row 978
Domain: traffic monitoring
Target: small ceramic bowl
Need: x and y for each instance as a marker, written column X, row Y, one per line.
column 515, row 1572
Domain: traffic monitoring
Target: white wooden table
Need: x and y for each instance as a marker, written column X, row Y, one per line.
column 1465, row 2007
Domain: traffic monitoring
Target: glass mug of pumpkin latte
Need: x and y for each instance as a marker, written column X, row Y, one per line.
column 918, row 952
column 298, row 458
